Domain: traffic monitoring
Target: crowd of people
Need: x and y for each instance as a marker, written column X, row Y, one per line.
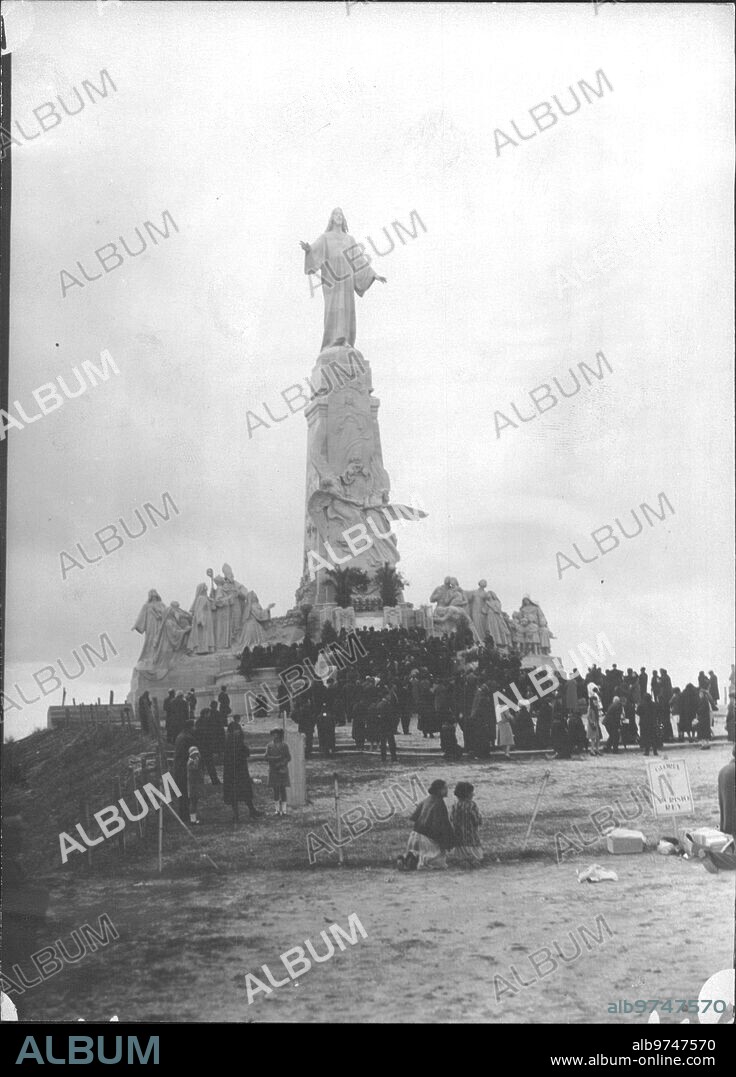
column 451, row 689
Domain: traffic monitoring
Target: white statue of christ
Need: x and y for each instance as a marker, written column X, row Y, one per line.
column 344, row 269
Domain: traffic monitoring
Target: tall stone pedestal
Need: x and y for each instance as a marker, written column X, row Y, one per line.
column 345, row 467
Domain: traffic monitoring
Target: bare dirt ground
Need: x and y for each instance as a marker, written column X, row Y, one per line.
column 440, row 946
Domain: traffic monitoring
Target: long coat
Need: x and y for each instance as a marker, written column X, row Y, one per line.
column 480, row 726
column 703, row 713
column 648, row 724
column 236, row 780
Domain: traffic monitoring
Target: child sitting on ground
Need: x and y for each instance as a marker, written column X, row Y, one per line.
column 466, row 822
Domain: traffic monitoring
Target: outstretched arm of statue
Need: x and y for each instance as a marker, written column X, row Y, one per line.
column 304, row 246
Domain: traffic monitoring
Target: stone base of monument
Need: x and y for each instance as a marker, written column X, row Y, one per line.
column 207, row 674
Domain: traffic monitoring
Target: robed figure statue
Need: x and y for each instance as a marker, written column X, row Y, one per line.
column 344, row 269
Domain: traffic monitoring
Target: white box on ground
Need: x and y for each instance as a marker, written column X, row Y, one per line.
column 621, row 840
column 669, row 783
column 707, row 837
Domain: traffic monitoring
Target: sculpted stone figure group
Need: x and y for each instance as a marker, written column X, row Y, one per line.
column 228, row 618
column 480, row 611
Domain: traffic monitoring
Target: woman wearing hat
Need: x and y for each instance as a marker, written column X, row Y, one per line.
column 278, row 758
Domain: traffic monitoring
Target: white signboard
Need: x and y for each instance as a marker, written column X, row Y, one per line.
column 669, row 784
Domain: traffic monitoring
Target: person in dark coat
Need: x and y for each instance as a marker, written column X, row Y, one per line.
column 654, row 692
column 386, row 726
column 559, row 736
column 703, row 715
column 628, row 727
column 403, row 692
column 726, row 860
column 470, row 687
column 612, row 722
column 305, row 717
column 237, row 784
column 480, row 727
column 360, row 718
column 192, row 703
column 643, row 681
column 448, row 743
column 543, row 732
column 145, row 713
column 648, row 725
column 577, row 737
column 727, row 797
column 664, row 714
column 168, row 705
column 326, row 730
column 524, row 730
column 441, row 694
column 178, row 717
column 218, row 726
column 703, row 681
column 184, row 741
column 715, row 692
column 730, row 719
column 223, row 702
column 688, row 710
column 203, row 735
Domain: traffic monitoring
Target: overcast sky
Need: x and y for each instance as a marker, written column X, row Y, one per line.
column 248, row 123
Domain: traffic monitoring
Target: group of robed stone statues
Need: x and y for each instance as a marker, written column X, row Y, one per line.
column 480, row 611
column 227, row 618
